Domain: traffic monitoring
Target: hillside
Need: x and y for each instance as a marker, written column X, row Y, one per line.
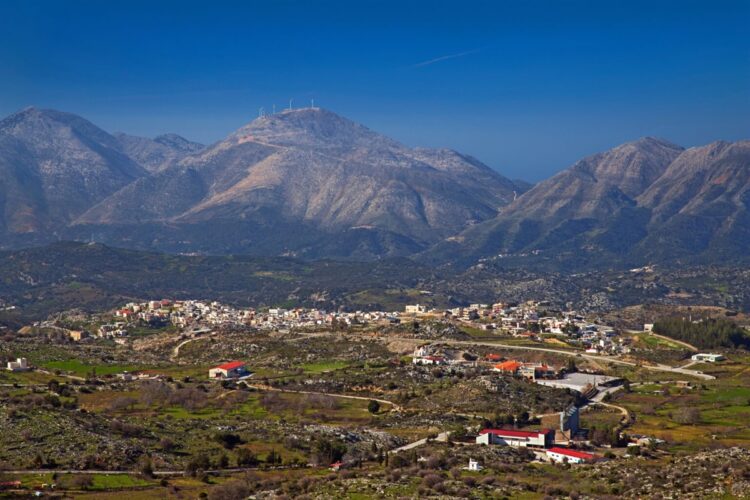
column 53, row 167
column 316, row 176
column 66, row 275
column 645, row 201
column 159, row 152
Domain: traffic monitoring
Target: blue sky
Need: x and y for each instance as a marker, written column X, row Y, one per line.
column 527, row 87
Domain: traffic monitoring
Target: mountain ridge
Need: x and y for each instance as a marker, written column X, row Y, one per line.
column 314, row 168
column 312, row 184
column 644, row 201
column 53, row 165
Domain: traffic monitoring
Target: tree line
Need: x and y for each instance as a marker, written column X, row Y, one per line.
column 705, row 334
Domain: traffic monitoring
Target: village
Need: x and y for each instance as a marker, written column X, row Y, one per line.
column 529, row 320
column 460, row 393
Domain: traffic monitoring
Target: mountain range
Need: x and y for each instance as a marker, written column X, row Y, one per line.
column 312, row 184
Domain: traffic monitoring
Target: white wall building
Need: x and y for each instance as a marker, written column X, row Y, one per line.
column 711, row 358
column 561, row 455
column 19, row 365
column 519, row 439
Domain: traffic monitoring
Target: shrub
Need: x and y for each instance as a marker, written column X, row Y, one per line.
column 373, row 406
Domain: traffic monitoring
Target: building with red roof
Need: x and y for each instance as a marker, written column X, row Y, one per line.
column 233, row 369
column 510, row 437
column 508, row 367
column 567, row 455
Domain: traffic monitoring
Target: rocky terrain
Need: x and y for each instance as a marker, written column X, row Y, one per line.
column 53, row 167
column 709, row 474
column 312, row 184
column 645, row 201
column 311, row 175
column 159, row 152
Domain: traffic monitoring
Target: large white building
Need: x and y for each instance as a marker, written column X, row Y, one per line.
column 711, row 358
column 522, row 439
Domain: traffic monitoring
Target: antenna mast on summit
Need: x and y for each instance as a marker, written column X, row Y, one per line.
column 261, row 113
column 274, row 109
column 290, row 104
column 312, row 103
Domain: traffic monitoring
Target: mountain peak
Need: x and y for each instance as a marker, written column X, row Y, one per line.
column 311, row 127
column 655, row 141
column 32, row 122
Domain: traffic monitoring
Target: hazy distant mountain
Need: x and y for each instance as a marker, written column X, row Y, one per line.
column 644, row 201
column 313, row 184
column 317, row 184
column 53, row 167
column 701, row 204
column 159, row 152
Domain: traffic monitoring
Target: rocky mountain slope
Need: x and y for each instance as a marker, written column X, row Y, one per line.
column 644, row 201
column 701, row 204
column 159, row 152
column 53, row 167
column 312, row 184
column 317, row 183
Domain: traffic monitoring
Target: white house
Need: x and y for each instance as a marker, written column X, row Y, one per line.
column 422, row 351
column 234, row 369
column 19, row 365
column 474, row 465
column 519, row 439
column 414, row 309
column 429, row 360
column 711, row 358
column 561, row 455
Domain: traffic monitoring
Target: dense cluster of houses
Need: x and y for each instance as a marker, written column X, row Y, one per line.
column 529, row 319
column 193, row 313
column 532, row 320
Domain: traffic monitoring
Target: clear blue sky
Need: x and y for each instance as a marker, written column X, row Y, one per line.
column 527, row 87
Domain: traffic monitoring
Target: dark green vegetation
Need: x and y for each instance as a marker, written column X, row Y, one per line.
column 92, row 277
column 707, row 334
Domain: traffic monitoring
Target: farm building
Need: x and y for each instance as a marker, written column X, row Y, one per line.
column 711, row 358
column 19, row 365
column 510, row 437
column 234, row 369
column 561, row 455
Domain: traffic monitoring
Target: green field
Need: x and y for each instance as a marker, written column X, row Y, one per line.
column 324, row 366
column 117, row 481
column 79, row 368
column 723, row 407
column 655, row 342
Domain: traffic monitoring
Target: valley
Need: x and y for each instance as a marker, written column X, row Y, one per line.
column 141, row 400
